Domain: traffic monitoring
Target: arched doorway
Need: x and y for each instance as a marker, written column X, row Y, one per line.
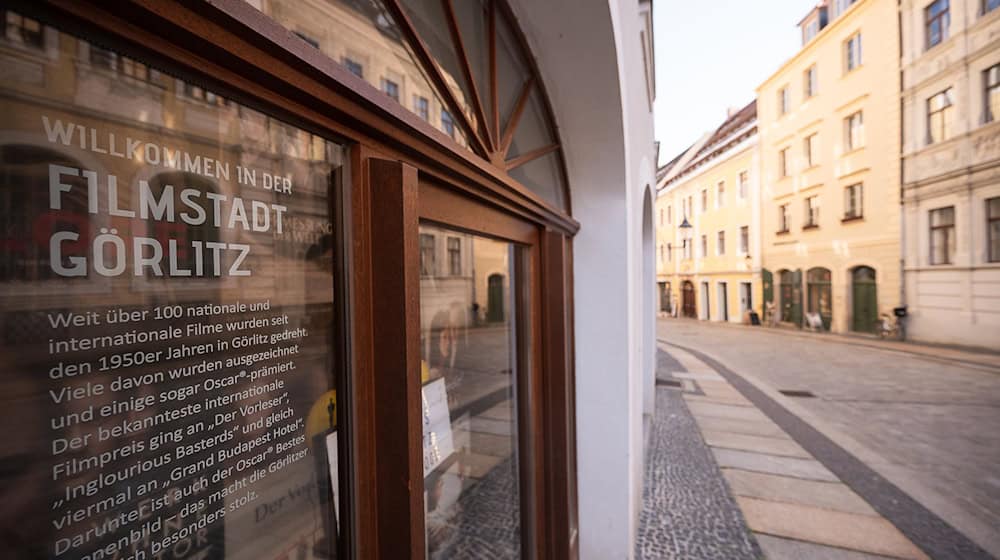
column 688, row 304
column 494, row 298
column 864, row 299
column 791, row 296
column 819, row 294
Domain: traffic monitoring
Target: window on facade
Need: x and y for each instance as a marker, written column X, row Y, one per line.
column 687, row 247
column 854, row 132
column 670, row 252
column 454, row 256
column 783, row 100
column 720, row 194
column 940, row 114
column 744, row 183
column 991, row 93
column 783, row 219
column 990, row 5
column 744, row 240
column 354, row 67
column 942, row 235
column 993, row 229
column 421, row 107
column 390, row 88
column 447, row 123
column 936, row 22
column 428, row 265
column 662, row 252
column 810, row 79
column 783, row 163
column 852, row 52
column 704, row 200
column 122, row 65
column 809, row 147
column 811, row 212
column 670, row 215
column 720, row 243
column 704, row 245
column 840, row 6
column 23, row 30
column 854, row 201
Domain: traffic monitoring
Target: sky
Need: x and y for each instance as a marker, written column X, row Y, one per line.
column 711, row 55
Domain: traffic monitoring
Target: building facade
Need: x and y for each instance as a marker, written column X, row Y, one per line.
column 829, row 143
column 708, row 225
column 951, row 170
column 325, row 279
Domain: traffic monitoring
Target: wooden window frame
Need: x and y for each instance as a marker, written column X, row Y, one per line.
column 942, row 18
column 949, row 229
column 242, row 54
column 990, row 240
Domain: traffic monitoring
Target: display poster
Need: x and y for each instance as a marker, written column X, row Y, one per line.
column 437, row 436
column 168, row 321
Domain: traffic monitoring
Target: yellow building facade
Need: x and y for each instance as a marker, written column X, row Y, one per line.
column 711, row 270
column 829, row 123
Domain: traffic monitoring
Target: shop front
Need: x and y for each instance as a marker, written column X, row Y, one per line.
column 283, row 279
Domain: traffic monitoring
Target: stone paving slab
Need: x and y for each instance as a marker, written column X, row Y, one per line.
column 697, row 376
column 733, row 401
column 772, row 464
column 826, row 527
column 764, row 428
column 716, row 410
column 777, row 548
column 829, row 495
column 785, row 447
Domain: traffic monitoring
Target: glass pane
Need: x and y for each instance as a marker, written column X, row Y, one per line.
column 512, row 70
column 429, row 19
column 363, row 36
column 471, row 16
column 532, row 129
column 471, row 489
column 543, row 177
column 168, row 321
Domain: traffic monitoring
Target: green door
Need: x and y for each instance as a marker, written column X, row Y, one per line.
column 864, row 305
column 494, row 302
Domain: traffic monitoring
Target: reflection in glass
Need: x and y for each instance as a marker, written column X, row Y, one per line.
column 363, row 37
column 471, row 493
column 153, row 232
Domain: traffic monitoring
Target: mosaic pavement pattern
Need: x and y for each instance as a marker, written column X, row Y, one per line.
column 687, row 510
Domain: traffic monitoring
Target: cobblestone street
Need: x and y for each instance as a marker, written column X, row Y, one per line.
column 901, row 437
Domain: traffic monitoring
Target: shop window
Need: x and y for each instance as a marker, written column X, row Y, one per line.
column 937, row 19
column 169, row 331
column 942, row 235
column 940, row 116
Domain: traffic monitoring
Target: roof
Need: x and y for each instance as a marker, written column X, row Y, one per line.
column 737, row 126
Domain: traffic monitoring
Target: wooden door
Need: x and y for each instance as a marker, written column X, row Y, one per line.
column 864, row 299
column 689, row 306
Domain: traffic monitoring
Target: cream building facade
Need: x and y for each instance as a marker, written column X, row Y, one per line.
column 711, row 270
column 830, row 172
column 951, row 170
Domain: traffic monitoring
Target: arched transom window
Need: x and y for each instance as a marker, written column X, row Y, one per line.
column 460, row 65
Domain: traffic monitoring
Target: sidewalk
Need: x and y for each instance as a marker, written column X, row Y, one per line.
column 982, row 358
column 792, row 504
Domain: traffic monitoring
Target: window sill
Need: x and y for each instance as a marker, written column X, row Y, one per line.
column 848, row 219
column 783, row 232
column 808, row 227
column 852, row 151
